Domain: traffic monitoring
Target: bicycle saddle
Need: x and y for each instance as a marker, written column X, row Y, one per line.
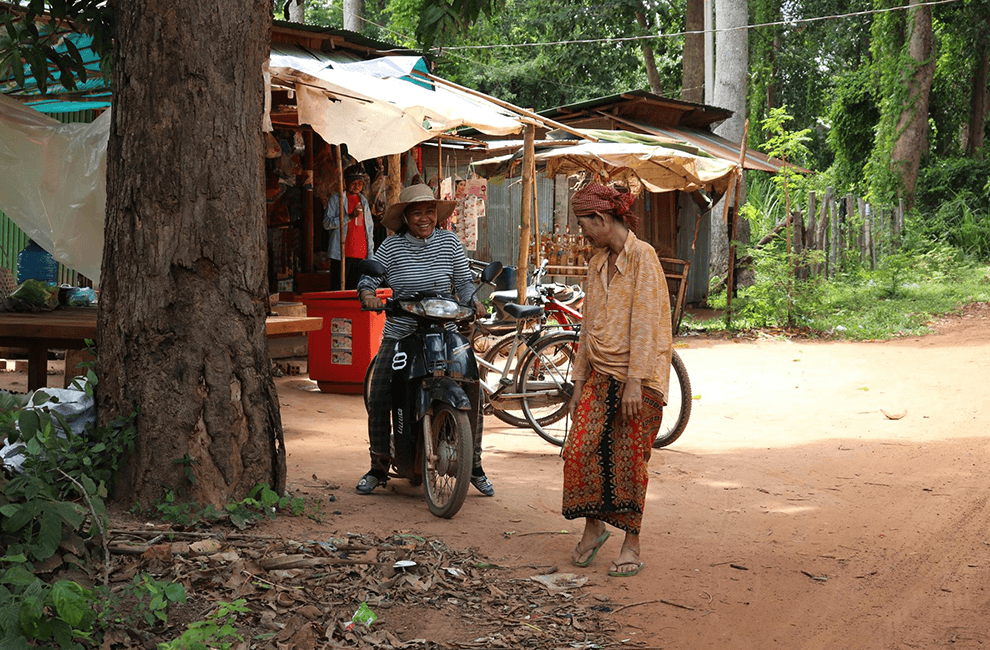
column 523, row 311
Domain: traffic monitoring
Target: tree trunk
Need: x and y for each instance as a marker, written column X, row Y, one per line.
column 978, row 104
column 693, row 70
column 184, row 292
column 352, row 15
column 650, row 61
column 731, row 77
column 912, row 143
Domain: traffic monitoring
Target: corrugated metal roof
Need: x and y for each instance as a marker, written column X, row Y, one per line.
column 721, row 147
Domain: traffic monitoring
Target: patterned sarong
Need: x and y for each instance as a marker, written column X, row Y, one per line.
column 606, row 458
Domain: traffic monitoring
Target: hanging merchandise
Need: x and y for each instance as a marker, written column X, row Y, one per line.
column 470, row 196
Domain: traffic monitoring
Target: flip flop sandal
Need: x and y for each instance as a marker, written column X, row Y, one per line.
column 599, row 541
column 368, row 483
column 625, row 574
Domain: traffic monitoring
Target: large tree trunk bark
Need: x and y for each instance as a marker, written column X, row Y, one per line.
column 352, row 15
column 693, row 61
column 978, row 104
column 731, row 77
column 649, row 60
column 912, row 143
column 184, row 292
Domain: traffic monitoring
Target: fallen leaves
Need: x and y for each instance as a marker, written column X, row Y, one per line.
column 302, row 594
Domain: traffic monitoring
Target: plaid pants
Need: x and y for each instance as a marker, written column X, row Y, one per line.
column 380, row 410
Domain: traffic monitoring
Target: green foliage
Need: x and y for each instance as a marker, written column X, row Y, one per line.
column 218, row 631
column 38, row 47
column 854, row 115
column 261, row 502
column 900, row 298
column 56, row 499
column 776, row 299
column 153, row 598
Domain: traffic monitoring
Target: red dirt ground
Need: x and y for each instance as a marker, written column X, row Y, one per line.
column 793, row 513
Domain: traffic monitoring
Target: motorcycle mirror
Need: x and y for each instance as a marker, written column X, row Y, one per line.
column 374, row 268
column 492, row 271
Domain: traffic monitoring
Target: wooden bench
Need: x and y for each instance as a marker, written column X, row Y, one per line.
column 67, row 329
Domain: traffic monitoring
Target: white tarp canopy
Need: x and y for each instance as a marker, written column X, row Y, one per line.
column 53, row 175
column 374, row 111
column 53, row 183
column 624, row 156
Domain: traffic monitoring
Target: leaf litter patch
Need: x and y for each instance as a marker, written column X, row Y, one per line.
column 304, row 595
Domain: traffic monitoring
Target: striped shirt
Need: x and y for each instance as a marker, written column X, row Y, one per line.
column 436, row 263
column 626, row 330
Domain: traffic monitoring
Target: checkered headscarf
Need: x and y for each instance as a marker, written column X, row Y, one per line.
column 596, row 197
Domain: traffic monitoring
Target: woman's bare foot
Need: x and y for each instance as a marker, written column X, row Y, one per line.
column 628, row 563
column 594, row 536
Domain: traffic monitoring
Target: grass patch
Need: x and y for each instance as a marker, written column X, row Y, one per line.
column 900, row 299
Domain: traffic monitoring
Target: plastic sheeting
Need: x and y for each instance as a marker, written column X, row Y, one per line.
column 53, row 183
column 53, row 175
column 656, row 167
column 377, row 116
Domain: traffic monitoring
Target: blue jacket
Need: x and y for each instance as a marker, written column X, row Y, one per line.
column 331, row 221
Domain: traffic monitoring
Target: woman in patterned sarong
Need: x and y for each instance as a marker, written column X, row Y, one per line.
column 621, row 376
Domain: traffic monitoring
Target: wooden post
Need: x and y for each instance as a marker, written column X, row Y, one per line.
column 307, row 202
column 729, row 278
column 536, row 223
column 863, row 232
column 440, row 169
column 528, row 173
column 833, row 246
column 811, row 223
column 341, row 216
column 394, row 186
column 734, row 184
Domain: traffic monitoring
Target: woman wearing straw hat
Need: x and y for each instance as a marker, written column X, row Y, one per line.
column 418, row 257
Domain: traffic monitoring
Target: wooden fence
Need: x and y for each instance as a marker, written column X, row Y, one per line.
column 844, row 229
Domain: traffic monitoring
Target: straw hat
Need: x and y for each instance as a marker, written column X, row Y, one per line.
column 415, row 194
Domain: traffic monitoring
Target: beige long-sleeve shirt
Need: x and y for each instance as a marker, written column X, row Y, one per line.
column 626, row 330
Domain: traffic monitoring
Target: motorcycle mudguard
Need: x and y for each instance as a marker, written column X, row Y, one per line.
column 460, row 356
column 444, row 390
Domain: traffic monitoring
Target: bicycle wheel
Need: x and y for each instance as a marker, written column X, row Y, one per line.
column 678, row 402
column 546, row 387
column 498, row 355
column 447, row 456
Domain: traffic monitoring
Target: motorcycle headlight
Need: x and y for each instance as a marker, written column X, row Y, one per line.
column 439, row 308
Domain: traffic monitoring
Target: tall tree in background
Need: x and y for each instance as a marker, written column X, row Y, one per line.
column 731, row 76
column 352, row 15
column 693, row 62
column 912, row 124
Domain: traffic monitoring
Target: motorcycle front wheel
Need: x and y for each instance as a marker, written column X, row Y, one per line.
column 447, row 457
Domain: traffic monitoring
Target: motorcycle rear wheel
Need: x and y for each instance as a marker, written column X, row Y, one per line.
column 447, row 470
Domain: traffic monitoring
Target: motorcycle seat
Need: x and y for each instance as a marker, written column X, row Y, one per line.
column 523, row 311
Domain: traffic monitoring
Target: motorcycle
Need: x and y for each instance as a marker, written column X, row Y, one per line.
column 433, row 371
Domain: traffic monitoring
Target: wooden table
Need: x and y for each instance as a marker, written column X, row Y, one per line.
column 67, row 329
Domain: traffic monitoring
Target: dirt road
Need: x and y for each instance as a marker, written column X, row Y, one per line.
column 825, row 495
column 792, row 514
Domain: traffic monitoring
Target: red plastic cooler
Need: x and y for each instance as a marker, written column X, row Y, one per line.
column 340, row 352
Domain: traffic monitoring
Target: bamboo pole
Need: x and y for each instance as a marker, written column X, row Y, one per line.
column 498, row 102
column 536, row 222
column 525, row 216
column 735, row 225
column 394, row 179
column 340, row 216
column 307, row 202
